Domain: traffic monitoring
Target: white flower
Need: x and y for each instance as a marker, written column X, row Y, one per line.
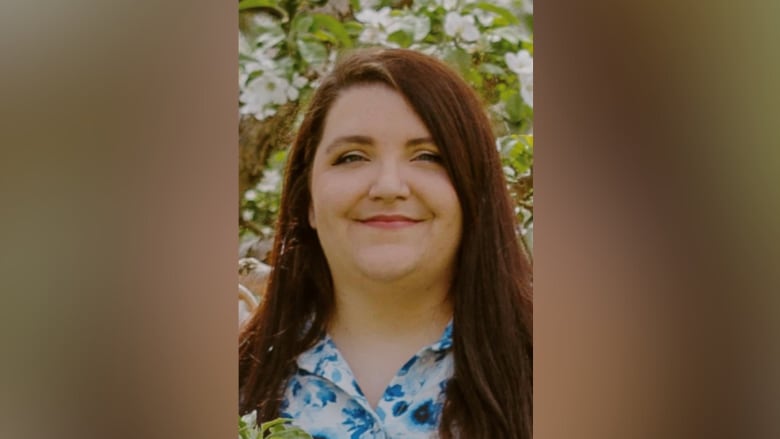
column 527, row 90
column 262, row 60
column 292, row 93
column 299, row 81
column 276, row 88
column 485, row 18
column 264, row 91
column 376, row 26
column 270, row 181
column 417, row 26
column 456, row 25
column 448, row 4
column 250, row 195
column 380, row 18
column 421, row 26
column 528, row 6
column 521, row 63
column 373, row 35
column 247, row 215
column 264, row 20
column 251, row 418
column 243, row 44
column 368, row 4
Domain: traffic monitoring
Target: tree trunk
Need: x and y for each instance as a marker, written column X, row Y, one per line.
column 257, row 140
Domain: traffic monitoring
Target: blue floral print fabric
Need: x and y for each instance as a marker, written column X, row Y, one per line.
column 324, row 399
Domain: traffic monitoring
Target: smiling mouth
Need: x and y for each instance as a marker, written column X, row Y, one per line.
column 389, row 221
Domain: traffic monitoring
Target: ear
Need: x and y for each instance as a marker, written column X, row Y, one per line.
column 312, row 220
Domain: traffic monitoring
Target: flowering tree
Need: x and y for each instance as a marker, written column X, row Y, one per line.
column 286, row 46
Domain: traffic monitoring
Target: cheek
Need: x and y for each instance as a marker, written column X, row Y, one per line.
column 327, row 204
column 454, row 216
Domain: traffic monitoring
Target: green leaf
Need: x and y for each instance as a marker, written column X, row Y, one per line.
column 265, row 426
column 353, row 29
column 312, row 51
column 504, row 13
column 324, row 36
column 474, row 77
column 458, row 58
column 491, row 69
column 528, row 140
column 334, row 27
column 302, row 23
column 402, row 38
column 511, row 34
column 293, row 433
column 514, row 106
column 529, row 46
column 243, row 429
column 278, row 159
column 266, row 4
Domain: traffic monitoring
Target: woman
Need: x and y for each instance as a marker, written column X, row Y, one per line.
column 399, row 305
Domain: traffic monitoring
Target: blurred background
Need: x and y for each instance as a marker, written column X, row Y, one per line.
column 286, row 46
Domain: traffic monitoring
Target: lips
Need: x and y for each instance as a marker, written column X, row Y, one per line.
column 389, row 221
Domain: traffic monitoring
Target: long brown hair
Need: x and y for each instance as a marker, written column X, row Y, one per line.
column 490, row 394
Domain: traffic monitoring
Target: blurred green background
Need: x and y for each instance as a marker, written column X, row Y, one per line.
column 286, row 46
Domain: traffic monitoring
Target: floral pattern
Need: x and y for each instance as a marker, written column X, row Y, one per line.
column 324, row 399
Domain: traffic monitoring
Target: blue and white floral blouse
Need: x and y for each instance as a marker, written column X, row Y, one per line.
column 324, row 399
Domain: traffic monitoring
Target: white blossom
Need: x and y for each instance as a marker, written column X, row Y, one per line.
column 448, row 5
column 371, row 17
column 527, row 90
column 528, row 6
column 521, row 63
column 250, row 195
column 247, row 214
column 456, row 25
column 417, row 26
column 292, row 93
column 485, row 18
column 242, row 77
column 369, row 4
column 376, row 23
column 270, row 181
column 264, row 20
column 299, row 81
column 250, row 419
column 243, row 44
column 373, row 35
column 264, row 91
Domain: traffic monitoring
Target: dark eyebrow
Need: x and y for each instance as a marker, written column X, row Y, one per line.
column 365, row 140
column 420, row 141
column 362, row 140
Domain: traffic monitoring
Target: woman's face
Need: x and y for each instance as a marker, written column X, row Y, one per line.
column 382, row 202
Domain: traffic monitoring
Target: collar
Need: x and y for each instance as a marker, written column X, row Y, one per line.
column 325, row 352
column 445, row 342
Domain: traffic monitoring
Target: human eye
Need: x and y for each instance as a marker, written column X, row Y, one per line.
column 349, row 157
column 428, row 156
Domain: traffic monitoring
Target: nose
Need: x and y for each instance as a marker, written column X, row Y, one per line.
column 389, row 183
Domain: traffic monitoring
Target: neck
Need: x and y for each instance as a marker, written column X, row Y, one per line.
column 379, row 311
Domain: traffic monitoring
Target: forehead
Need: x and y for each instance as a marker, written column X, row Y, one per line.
column 372, row 110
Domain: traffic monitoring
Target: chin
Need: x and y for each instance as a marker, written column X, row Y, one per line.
column 387, row 268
